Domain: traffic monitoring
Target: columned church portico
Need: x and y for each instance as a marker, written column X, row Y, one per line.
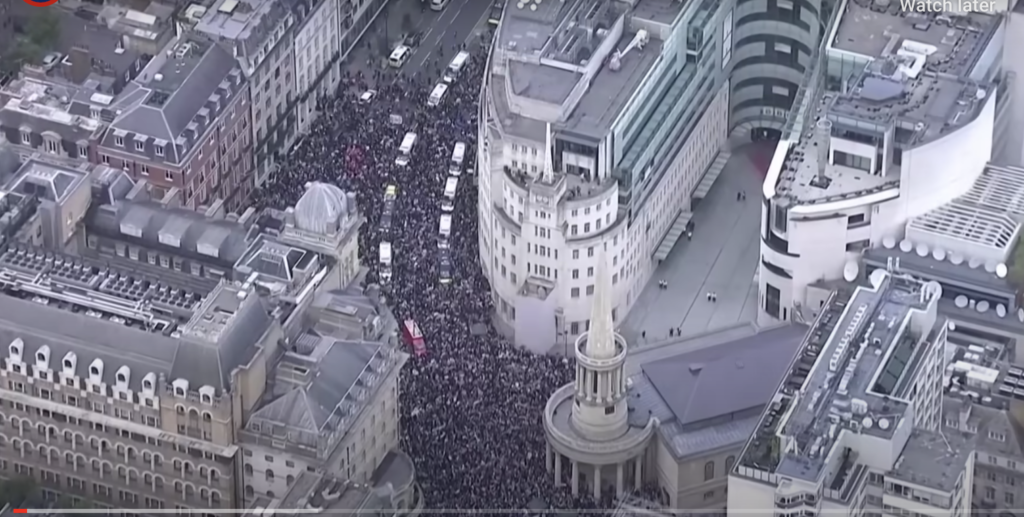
column 587, row 422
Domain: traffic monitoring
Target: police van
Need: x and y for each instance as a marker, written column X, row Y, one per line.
column 399, row 56
column 450, row 188
column 385, row 261
column 437, row 94
column 388, row 212
column 444, row 266
column 438, row 5
column 444, row 231
column 458, row 156
column 405, row 150
column 455, row 67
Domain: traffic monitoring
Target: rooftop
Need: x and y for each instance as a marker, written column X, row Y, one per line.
column 958, row 40
column 46, row 181
column 553, row 49
column 245, row 22
column 989, row 215
column 696, row 397
column 857, row 366
column 919, row 82
column 175, row 100
column 38, row 105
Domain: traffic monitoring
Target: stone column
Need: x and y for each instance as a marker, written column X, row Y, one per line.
column 638, row 474
column 575, row 477
column 619, row 489
column 558, row 469
column 548, row 460
column 597, row 482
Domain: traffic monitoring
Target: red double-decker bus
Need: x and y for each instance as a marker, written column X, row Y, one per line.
column 414, row 338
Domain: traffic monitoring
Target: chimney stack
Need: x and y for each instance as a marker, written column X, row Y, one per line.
column 81, row 64
column 824, row 130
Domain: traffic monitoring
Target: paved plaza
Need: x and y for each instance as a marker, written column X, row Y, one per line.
column 722, row 258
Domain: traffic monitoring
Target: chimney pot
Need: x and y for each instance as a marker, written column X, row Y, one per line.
column 824, row 130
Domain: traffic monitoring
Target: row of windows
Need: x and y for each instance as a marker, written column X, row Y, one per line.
column 54, row 145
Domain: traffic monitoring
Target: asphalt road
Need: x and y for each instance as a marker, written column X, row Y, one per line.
column 443, row 31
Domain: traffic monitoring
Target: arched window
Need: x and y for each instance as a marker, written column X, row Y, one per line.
column 709, row 471
column 729, row 462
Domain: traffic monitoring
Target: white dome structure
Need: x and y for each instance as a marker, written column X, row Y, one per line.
column 321, row 209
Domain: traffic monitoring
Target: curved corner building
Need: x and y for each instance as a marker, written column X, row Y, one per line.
column 776, row 44
column 902, row 126
column 637, row 99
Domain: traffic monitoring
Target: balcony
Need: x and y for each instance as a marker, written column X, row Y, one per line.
column 537, row 287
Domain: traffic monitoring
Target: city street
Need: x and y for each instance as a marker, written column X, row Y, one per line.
column 440, row 31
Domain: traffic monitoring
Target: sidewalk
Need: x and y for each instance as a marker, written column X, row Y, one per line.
column 384, row 33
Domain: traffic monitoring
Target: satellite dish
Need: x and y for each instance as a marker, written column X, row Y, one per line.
column 1001, row 310
column 951, row 326
column 922, row 250
column 850, row 271
column 867, row 422
column 974, row 263
column 982, row 306
column 939, row 254
column 1001, row 270
column 877, row 277
column 961, row 301
column 991, row 267
column 956, row 259
column 889, row 242
column 883, row 424
column 906, row 246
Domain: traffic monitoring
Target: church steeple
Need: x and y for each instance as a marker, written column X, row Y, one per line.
column 601, row 340
column 548, row 174
column 600, row 410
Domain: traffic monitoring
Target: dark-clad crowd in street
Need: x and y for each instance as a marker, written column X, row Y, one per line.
column 472, row 405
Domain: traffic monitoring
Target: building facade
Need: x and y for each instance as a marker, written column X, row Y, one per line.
column 260, row 34
column 185, row 125
column 881, row 150
column 620, row 172
column 115, row 402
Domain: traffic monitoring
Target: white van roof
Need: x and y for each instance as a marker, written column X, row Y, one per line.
column 460, row 59
column 439, row 90
column 385, row 251
column 446, row 223
column 460, row 148
column 450, row 186
column 399, row 51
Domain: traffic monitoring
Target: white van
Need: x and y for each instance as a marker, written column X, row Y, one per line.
column 458, row 155
column 437, row 5
column 450, row 188
column 437, row 94
column 444, row 231
column 399, row 56
column 452, row 72
column 385, row 260
column 405, row 149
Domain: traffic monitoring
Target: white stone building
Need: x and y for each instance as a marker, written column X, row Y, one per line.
column 905, row 129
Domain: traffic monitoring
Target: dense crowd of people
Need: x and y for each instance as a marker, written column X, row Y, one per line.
column 471, row 407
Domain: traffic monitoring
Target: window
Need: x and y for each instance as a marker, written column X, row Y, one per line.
column 783, row 48
column 729, row 462
column 573, row 229
column 590, row 251
column 780, row 90
column 710, row 494
column 83, row 150
column 168, row 175
column 158, row 150
column 590, row 290
column 610, row 410
column 575, row 254
column 1009, row 498
column 52, row 146
column 119, row 141
column 574, row 328
column 574, row 292
column 26, row 137
column 575, row 274
column 709, row 471
column 590, row 271
column 105, row 159
column 145, row 170
column 851, row 160
column 140, row 145
column 997, row 436
column 855, row 220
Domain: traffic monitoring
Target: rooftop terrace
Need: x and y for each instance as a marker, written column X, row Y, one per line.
column 864, row 352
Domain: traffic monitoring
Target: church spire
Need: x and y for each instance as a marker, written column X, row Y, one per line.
column 548, row 174
column 601, row 339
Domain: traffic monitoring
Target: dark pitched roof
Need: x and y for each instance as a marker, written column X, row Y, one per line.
column 727, row 378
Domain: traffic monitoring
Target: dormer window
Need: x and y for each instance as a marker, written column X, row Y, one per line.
column 146, row 384
column 158, row 150
column 68, row 365
column 999, row 437
column 121, row 378
column 26, row 137
column 83, row 150
column 119, row 141
column 94, row 370
column 52, row 146
column 179, row 392
column 140, row 145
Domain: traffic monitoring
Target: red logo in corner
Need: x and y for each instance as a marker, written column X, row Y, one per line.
column 40, row 3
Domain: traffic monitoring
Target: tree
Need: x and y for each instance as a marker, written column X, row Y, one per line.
column 17, row 491
column 43, row 28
